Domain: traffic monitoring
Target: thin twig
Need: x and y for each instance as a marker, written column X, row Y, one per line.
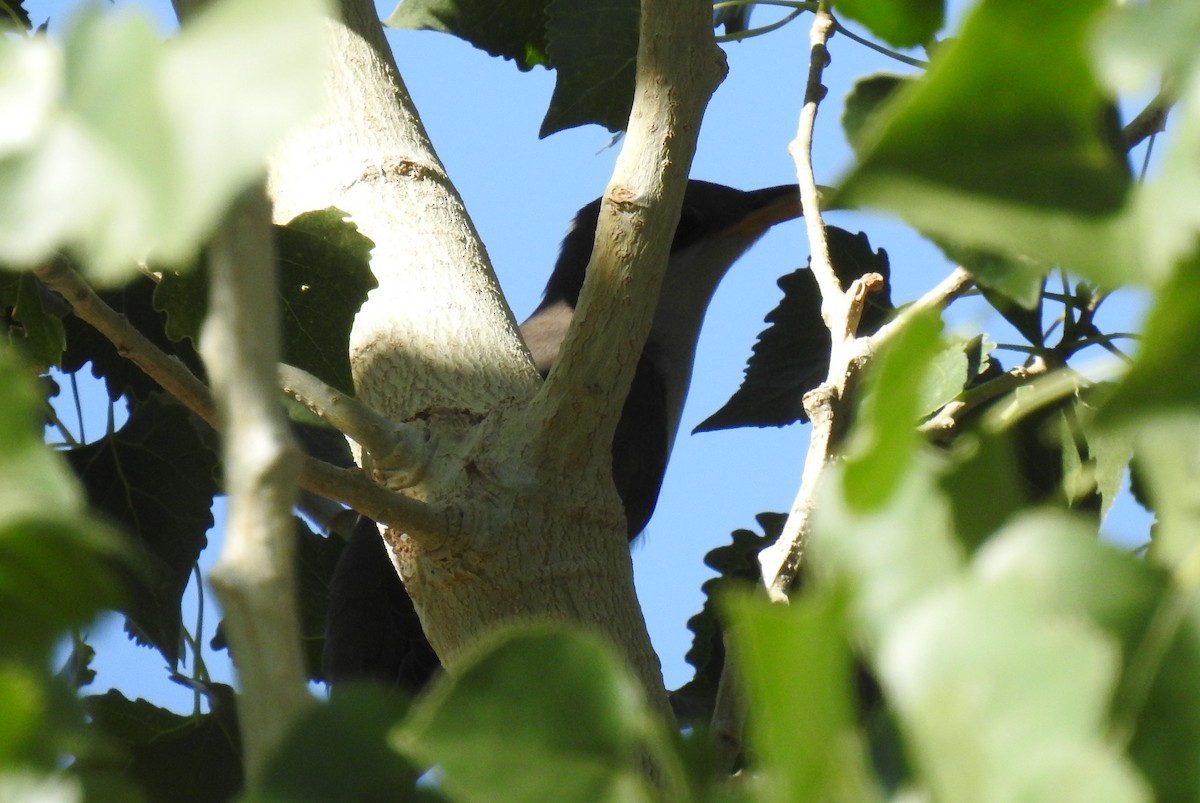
column 728, row 714
column 909, row 60
column 1150, row 120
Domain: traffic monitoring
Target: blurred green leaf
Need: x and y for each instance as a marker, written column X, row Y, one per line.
column 127, row 147
column 57, row 564
column 1162, row 379
column 339, row 751
column 795, row 662
column 1167, row 451
column 886, row 437
column 866, row 103
column 904, row 23
column 890, row 556
column 1007, row 144
column 503, row 728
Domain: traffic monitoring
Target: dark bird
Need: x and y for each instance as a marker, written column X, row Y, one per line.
column 372, row 630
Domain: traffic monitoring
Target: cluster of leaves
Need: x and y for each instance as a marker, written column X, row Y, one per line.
column 1018, row 656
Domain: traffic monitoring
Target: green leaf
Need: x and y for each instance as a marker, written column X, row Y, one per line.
column 885, row 437
column 105, row 161
column 324, row 277
column 339, row 751
column 514, row 29
column 1166, row 450
column 791, row 356
column 593, row 45
column 1156, row 384
column 34, row 329
column 57, row 564
column 1008, row 145
column 503, row 728
column 156, row 478
column 888, row 557
column 802, row 731
column 1002, row 701
column 185, row 759
column 902, row 23
column 1158, row 41
column 864, row 104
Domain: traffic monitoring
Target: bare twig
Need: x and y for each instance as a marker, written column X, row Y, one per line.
column 810, row 198
column 254, row 574
column 728, row 715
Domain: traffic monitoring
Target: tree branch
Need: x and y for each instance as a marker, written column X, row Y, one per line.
column 350, row 487
column 171, row 374
column 398, row 451
column 254, row 574
column 1150, row 120
column 678, row 68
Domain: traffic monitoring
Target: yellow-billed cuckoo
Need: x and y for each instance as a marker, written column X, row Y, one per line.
column 372, row 629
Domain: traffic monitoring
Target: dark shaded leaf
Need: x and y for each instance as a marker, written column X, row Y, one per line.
column 183, row 759
column 85, row 344
column 155, row 476
column 791, row 356
column 513, row 29
column 12, row 12
column 736, row 564
column 31, row 319
column 324, row 277
column 593, row 46
column 339, row 751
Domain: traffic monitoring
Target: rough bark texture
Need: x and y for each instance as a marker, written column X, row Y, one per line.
column 531, row 525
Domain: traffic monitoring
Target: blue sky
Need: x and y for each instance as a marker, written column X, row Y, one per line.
column 483, row 115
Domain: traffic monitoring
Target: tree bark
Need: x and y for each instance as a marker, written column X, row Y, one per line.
column 531, row 527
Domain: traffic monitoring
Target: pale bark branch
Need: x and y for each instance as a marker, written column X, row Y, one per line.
column 171, row 375
column 348, row 486
column 679, row 67
column 400, row 451
column 254, row 574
